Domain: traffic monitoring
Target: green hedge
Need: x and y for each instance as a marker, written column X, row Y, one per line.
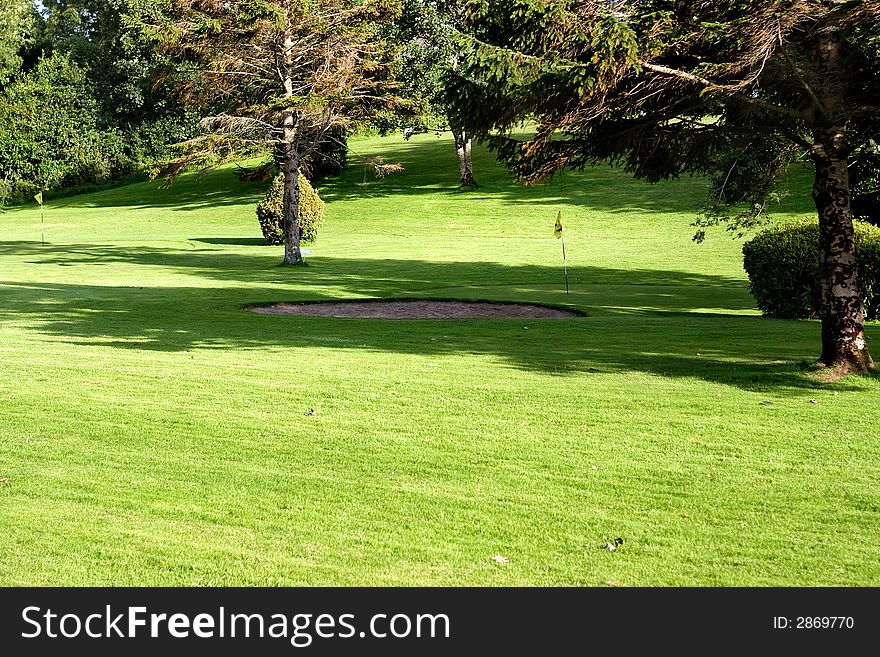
column 270, row 211
column 783, row 265
column 53, row 135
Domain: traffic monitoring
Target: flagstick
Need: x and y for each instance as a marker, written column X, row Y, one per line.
column 42, row 226
column 564, row 264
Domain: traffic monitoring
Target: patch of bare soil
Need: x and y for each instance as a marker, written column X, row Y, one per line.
column 415, row 309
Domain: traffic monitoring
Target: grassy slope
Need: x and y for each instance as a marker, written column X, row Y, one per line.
column 153, row 433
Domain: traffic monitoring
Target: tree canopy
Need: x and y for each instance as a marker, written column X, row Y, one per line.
column 278, row 76
column 425, row 31
column 16, row 29
column 80, row 98
column 671, row 87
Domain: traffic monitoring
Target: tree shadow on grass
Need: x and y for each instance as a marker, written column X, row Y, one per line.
column 430, row 168
column 669, row 339
column 380, row 276
column 232, row 241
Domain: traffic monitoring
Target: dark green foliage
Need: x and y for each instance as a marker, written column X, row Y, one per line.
column 864, row 176
column 330, row 157
column 426, row 57
column 663, row 87
column 783, row 264
column 50, row 135
column 868, row 253
column 747, row 177
column 16, row 31
column 79, row 99
column 5, row 193
column 270, row 211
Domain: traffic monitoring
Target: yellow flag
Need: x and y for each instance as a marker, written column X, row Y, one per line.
column 558, row 229
column 39, row 198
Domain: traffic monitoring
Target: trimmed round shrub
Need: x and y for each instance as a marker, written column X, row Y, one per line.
column 783, row 264
column 270, row 211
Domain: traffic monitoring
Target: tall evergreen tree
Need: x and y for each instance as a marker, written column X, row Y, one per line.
column 669, row 87
column 279, row 75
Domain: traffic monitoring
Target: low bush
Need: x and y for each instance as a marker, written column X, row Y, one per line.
column 783, row 265
column 270, row 211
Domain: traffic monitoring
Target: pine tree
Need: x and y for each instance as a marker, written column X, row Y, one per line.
column 282, row 76
column 670, row 87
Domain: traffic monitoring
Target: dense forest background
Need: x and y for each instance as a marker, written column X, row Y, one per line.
column 82, row 97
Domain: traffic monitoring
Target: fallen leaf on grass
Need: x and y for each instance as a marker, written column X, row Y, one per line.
column 3, row 480
column 499, row 559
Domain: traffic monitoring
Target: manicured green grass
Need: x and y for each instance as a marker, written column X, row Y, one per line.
column 152, row 432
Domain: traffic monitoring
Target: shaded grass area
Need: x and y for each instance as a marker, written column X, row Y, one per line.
column 154, row 433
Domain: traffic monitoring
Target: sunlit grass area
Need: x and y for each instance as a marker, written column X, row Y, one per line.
column 152, row 432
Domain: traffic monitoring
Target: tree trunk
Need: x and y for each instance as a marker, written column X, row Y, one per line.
column 290, row 158
column 843, row 321
column 465, row 161
column 290, row 166
column 291, row 225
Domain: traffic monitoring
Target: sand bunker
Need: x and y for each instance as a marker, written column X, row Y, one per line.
column 415, row 309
